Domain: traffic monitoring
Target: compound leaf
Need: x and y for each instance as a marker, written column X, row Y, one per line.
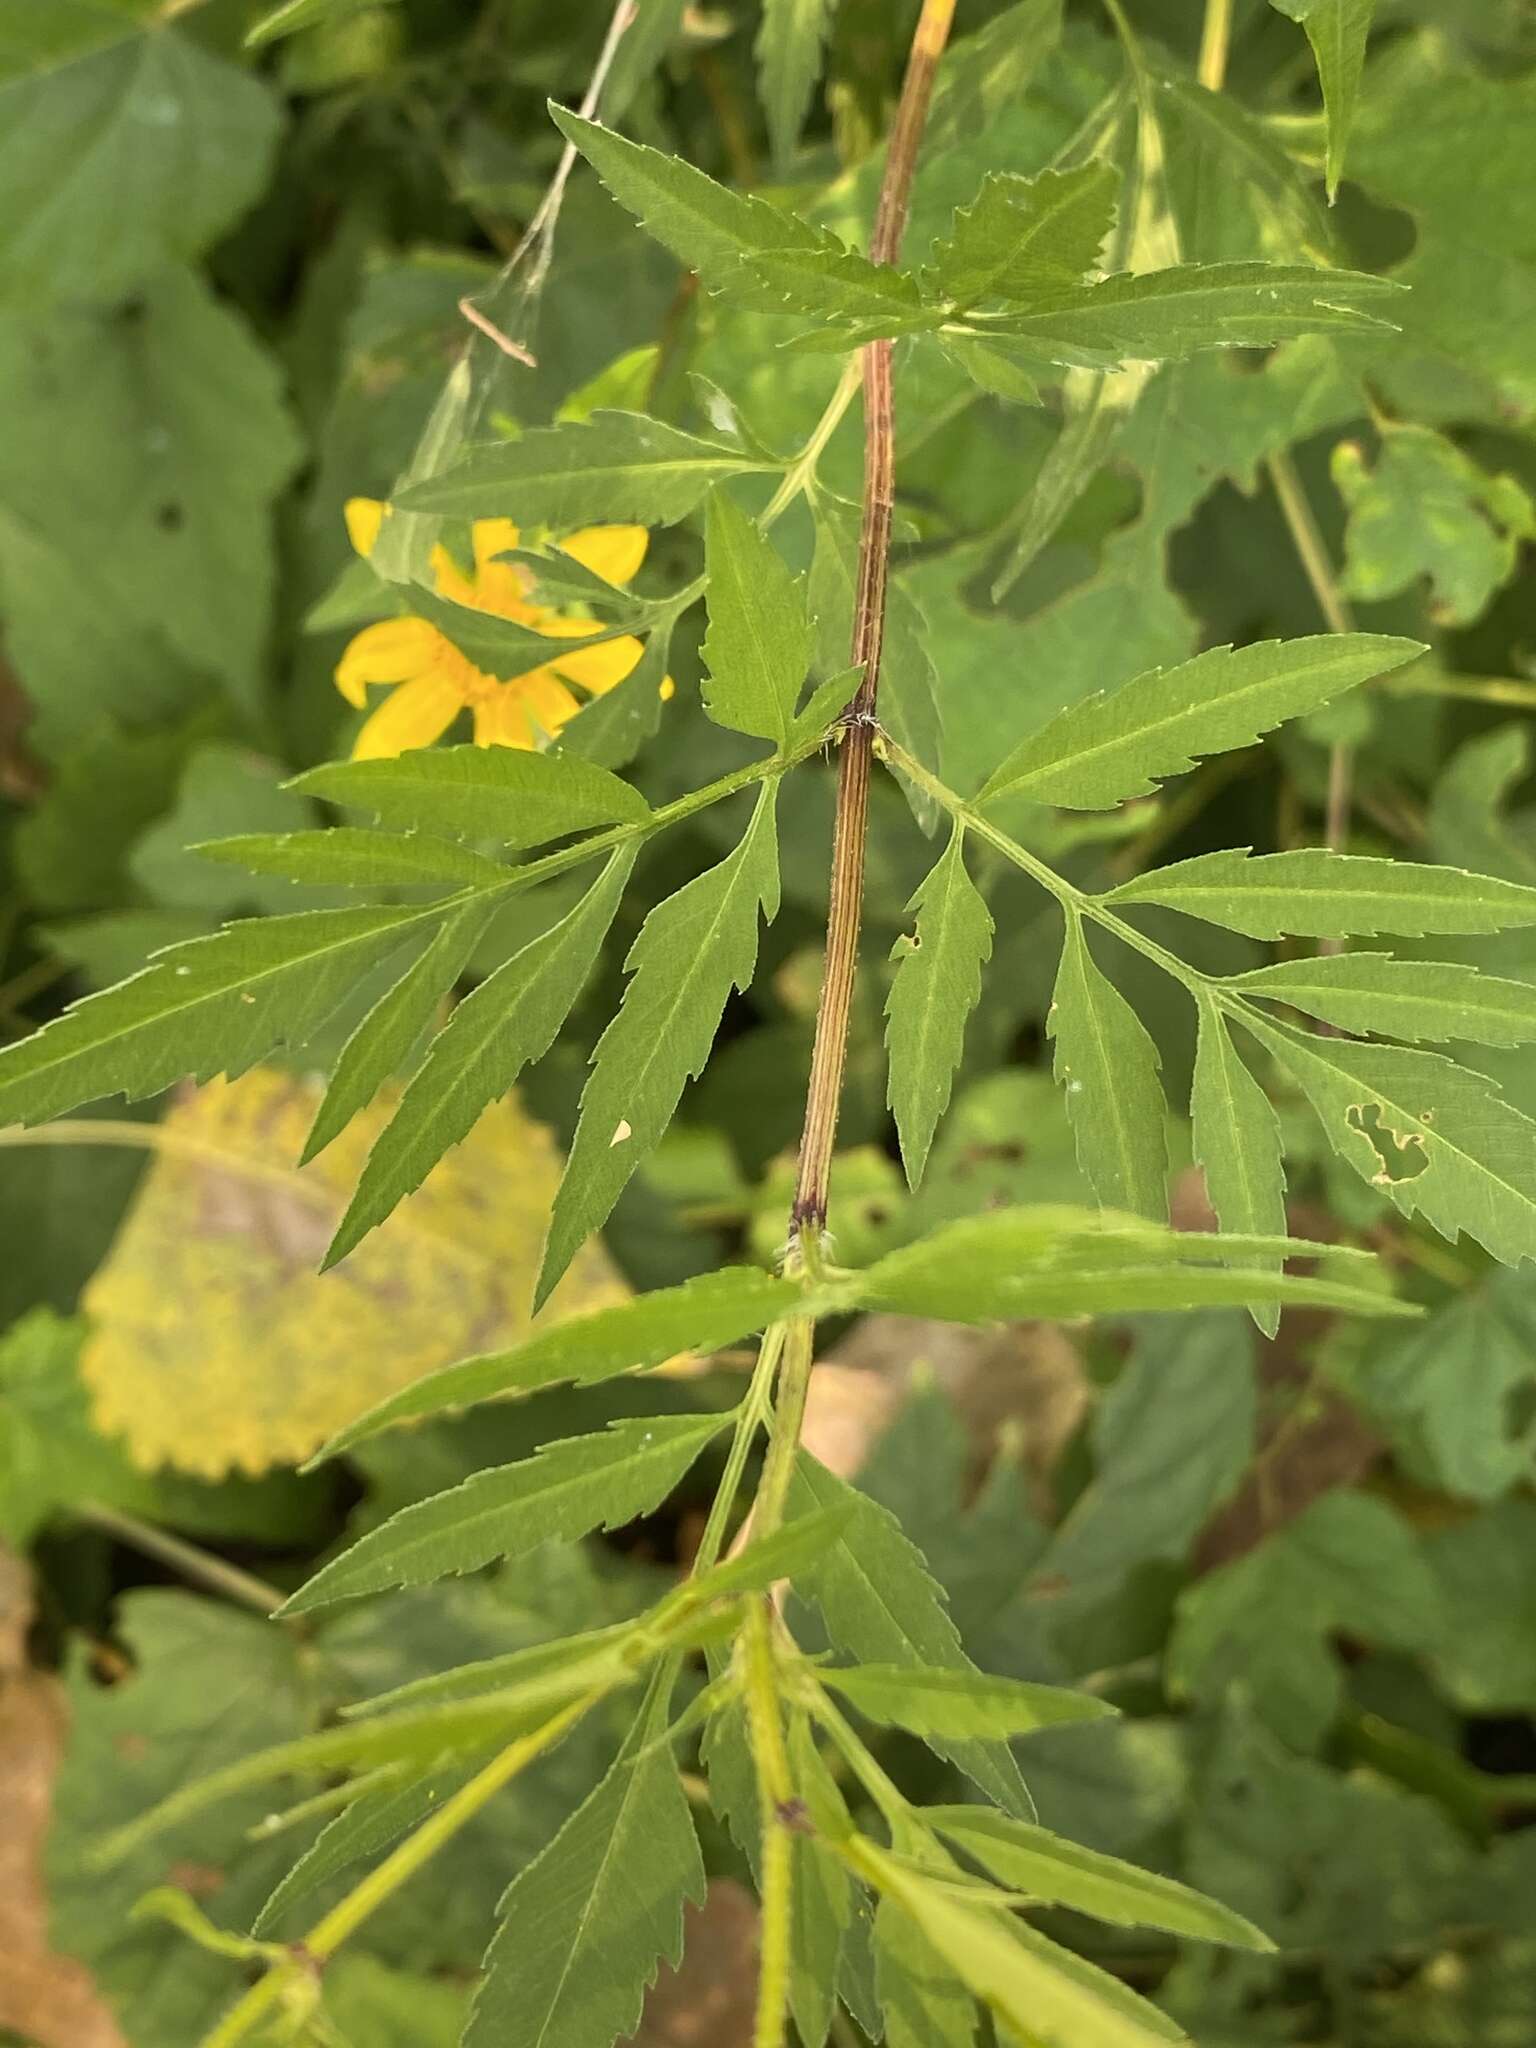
column 511, row 794
column 1431, row 1000
column 1313, row 893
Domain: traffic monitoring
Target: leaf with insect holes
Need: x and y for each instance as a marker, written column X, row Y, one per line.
column 1057, row 1872
column 1236, row 1140
column 1042, row 1993
column 1338, row 31
column 1108, row 1066
column 381, row 1044
column 958, row 1705
column 355, row 857
column 511, row 794
column 1021, row 236
column 692, row 951
column 209, row 1006
column 585, row 1924
column 573, row 1485
column 1314, row 893
column 757, row 649
column 508, row 1021
column 1422, row 1000
column 1164, row 315
column 879, row 1602
column 936, row 986
column 705, row 225
column 1439, row 1141
column 1098, row 753
column 789, row 50
column 702, row 1314
column 613, row 466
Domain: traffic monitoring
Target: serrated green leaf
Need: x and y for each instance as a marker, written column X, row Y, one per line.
column 1045, row 1994
column 700, row 1315
column 584, row 1925
column 1431, row 1000
column 1236, row 1140
column 923, row 2002
column 1057, row 1872
column 833, row 284
column 821, row 1894
column 382, row 1042
column 1096, row 754
column 692, row 951
column 1264, row 1620
column 504, row 648
column 1338, row 31
column 1164, row 315
column 1108, row 1066
column 574, row 1662
column 757, row 649
column 208, row 1006
column 1313, row 893
column 1439, row 1141
column 612, row 728
column 789, row 54
column 879, row 1602
column 133, row 158
column 511, row 794
column 573, row 1485
column 1021, row 236
column 508, row 1021
column 616, row 465
column 1050, row 1260
column 957, row 1705
column 936, row 985
column 354, row 857
column 705, row 226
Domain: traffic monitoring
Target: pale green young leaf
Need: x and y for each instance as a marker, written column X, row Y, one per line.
column 511, row 794
column 1164, row 315
column 178, row 147
column 510, row 1020
column 757, row 649
column 990, row 365
column 617, row 465
column 692, row 951
column 706, row 226
column 585, row 1924
column 355, row 857
column 1045, row 1994
column 789, row 50
column 701, row 1314
column 936, row 986
column 924, row 2003
column 208, row 1006
column 1057, row 1872
column 1236, row 1140
column 1051, row 1260
column 573, row 1485
column 879, row 1602
column 1439, row 1141
column 1338, row 31
column 574, row 1663
column 957, row 1705
column 1422, row 1000
column 1098, row 753
column 1313, row 893
column 1108, row 1066
column 382, row 1043
column 1021, row 236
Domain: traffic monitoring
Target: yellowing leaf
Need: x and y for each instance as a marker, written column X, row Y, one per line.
column 216, row 1342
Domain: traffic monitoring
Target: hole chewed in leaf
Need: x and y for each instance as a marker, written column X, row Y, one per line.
column 1402, row 1155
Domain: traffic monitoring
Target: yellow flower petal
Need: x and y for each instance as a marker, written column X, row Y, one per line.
column 492, row 537
column 392, row 651
column 548, row 699
column 364, row 517
column 416, row 714
column 598, row 669
column 501, row 721
column 613, row 552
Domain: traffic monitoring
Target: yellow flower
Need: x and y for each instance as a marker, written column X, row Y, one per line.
column 430, row 681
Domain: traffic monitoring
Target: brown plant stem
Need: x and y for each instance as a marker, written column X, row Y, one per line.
column 845, row 909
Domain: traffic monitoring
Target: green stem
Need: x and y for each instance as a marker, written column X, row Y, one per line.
column 200, row 1566
column 887, row 1796
column 802, row 471
column 775, row 1794
column 794, row 1383
column 1215, row 44
column 754, row 1412
column 381, row 1884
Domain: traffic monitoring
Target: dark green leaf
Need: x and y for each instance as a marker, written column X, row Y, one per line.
column 758, row 647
